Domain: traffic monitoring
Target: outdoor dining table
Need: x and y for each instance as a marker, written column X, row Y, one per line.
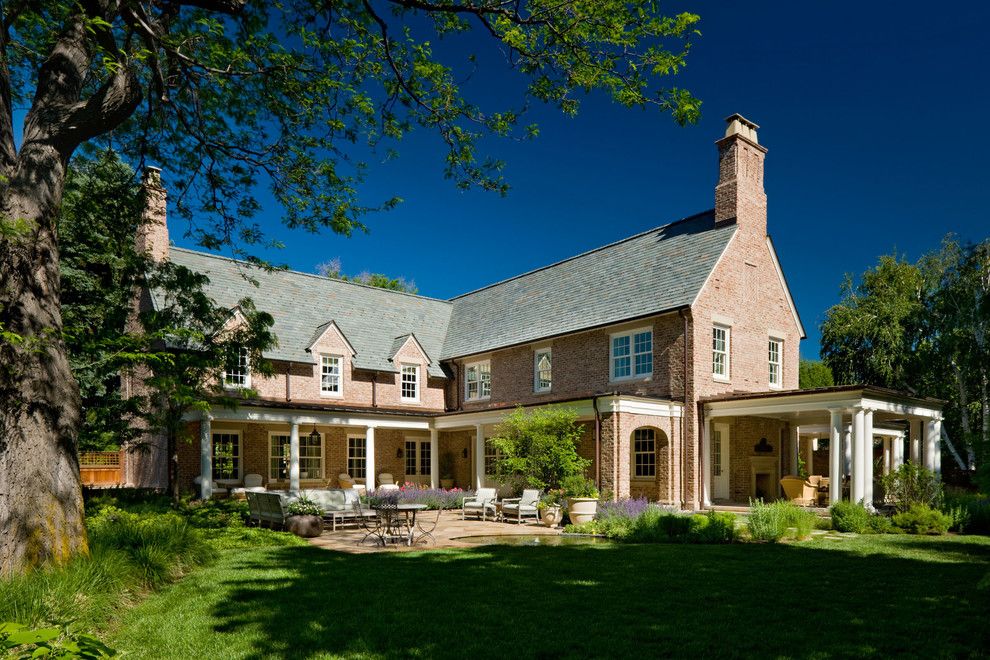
column 391, row 514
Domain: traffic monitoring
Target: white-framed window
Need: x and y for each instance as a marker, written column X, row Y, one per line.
column 775, row 348
column 410, row 382
column 310, row 456
column 721, row 336
column 357, row 457
column 226, row 455
column 331, row 383
column 492, row 457
column 237, row 371
column 478, row 380
column 418, row 457
column 644, row 450
column 631, row 354
column 543, row 370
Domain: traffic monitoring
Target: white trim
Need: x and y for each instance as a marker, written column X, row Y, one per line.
column 340, row 333
column 240, row 451
column 347, row 454
column 817, row 401
column 779, row 363
column 536, row 369
column 276, row 415
column 288, row 434
column 246, row 385
column 787, row 291
column 412, row 338
column 727, row 376
column 417, row 371
column 631, row 333
column 583, row 408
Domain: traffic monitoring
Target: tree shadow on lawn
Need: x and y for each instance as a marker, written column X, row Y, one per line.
column 609, row 600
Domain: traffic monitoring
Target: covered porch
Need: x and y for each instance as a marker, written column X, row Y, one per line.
column 840, row 440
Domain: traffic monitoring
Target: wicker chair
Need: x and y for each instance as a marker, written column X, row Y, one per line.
column 800, row 491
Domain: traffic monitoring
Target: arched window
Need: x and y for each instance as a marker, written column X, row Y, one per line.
column 644, row 453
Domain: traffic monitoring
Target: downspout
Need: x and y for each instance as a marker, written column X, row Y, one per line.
column 684, row 385
column 374, row 389
column 598, row 443
column 288, row 382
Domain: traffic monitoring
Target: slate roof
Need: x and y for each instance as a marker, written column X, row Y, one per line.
column 652, row 272
column 303, row 305
column 658, row 270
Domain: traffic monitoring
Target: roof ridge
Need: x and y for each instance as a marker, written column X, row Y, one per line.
column 583, row 254
column 312, row 275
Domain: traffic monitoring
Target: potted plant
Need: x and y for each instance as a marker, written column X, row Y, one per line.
column 305, row 518
column 551, row 510
column 447, row 470
column 582, row 499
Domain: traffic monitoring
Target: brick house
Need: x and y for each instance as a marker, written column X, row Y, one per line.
column 677, row 347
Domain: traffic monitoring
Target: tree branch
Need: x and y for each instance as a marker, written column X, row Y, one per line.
column 106, row 109
column 8, row 150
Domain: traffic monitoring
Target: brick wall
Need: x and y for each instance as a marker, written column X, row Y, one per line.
column 744, row 434
column 580, row 367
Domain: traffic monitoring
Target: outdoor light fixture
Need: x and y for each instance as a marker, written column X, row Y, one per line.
column 398, row 452
column 465, row 452
column 314, row 436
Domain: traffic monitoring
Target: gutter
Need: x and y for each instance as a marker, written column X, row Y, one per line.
column 598, row 443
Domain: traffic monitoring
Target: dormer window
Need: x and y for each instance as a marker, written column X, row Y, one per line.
column 237, row 374
column 410, row 383
column 330, row 381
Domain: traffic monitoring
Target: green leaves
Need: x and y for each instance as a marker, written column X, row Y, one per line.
column 26, row 642
column 540, row 446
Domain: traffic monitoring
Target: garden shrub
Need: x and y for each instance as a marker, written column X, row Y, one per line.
column 26, row 642
column 850, row 517
column 912, row 484
column 655, row 525
column 882, row 525
column 970, row 512
column 766, row 522
column 922, row 519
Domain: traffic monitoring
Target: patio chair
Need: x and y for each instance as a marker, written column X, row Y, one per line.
column 387, row 482
column 371, row 526
column 272, row 509
column 798, row 490
column 348, row 482
column 426, row 525
column 252, row 482
column 482, row 502
column 254, row 508
column 217, row 488
column 517, row 508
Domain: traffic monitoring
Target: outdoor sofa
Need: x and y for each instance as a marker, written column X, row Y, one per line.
column 339, row 505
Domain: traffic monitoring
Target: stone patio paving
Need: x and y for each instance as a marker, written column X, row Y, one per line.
column 449, row 529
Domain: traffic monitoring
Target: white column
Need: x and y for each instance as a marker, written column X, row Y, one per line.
column 847, row 449
column 434, row 456
column 706, row 462
column 928, row 455
column 898, row 456
column 887, row 454
column 938, row 447
column 479, row 456
column 795, row 449
column 369, row 459
column 868, row 458
column 858, row 471
column 916, row 426
column 206, row 456
column 294, row 456
column 835, row 457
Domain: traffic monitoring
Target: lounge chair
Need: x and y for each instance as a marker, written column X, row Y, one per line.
column 481, row 504
column 252, row 483
column 517, row 508
column 386, row 482
column 800, row 491
column 347, row 481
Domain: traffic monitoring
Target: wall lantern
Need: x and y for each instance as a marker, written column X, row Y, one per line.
column 465, row 453
column 314, row 436
column 398, row 452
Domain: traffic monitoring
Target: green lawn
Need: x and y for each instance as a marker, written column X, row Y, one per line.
column 863, row 596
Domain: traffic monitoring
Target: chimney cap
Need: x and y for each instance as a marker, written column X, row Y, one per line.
column 739, row 125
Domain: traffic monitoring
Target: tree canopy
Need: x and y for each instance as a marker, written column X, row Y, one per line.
column 332, row 269
column 813, row 373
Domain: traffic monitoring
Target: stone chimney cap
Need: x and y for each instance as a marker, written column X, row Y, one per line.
column 152, row 176
column 739, row 125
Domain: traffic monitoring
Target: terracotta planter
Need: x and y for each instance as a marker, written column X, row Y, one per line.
column 582, row 509
column 551, row 516
column 305, row 526
column 446, row 484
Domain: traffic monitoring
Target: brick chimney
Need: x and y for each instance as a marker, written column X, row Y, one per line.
column 152, row 233
column 739, row 195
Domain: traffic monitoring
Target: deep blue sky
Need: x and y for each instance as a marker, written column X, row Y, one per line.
column 875, row 116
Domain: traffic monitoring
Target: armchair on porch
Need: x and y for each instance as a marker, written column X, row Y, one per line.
column 387, row 482
column 800, row 491
column 517, row 508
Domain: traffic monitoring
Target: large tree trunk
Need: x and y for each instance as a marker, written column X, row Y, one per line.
column 41, row 509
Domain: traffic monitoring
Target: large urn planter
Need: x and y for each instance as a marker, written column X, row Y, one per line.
column 305, row 526
column 582, row 509
column 551, row 516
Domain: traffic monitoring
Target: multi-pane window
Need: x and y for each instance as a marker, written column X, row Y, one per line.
column 720, row 351
column 492, row 457
column 425, row 458
column 226, row 455
column 644, row 453
column 330, row 382
column 716, row 453
column 418, row 464
column 543, row 370
column 411, row 462
column 357, row 457
column 478, row 380
column 237, row 370
column 410, row 382
column 774, row 361
column 632, row 354
column 310, row 457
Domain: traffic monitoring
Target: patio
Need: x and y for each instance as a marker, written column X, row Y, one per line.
column 449, row 529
